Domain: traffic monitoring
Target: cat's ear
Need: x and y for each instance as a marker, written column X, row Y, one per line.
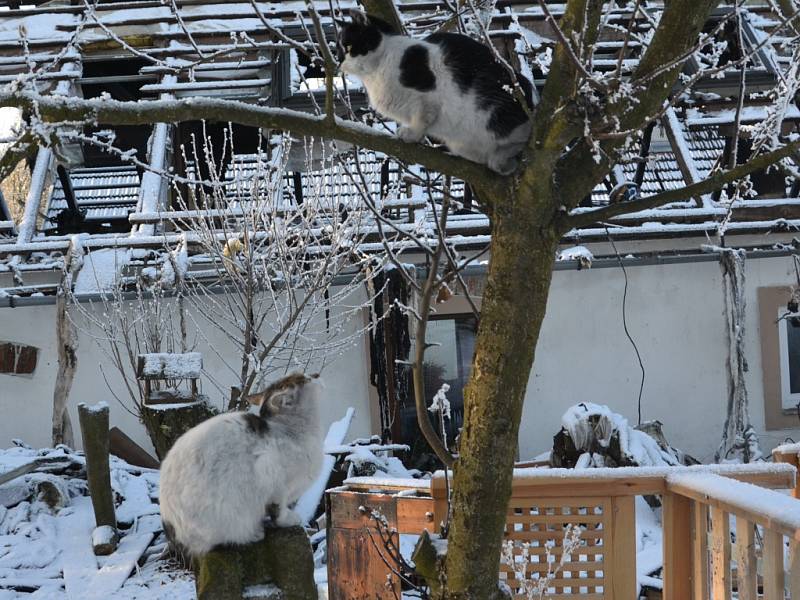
column 359, row 16
column 282, row 399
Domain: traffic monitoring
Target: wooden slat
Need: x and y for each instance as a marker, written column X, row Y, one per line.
column 700, row 551
column 720, row 555
column 790, row 458
column 414, row 514
column 677, row 519
column 781, row 521
column 773, row 565
column 746, row 574
column 554, row 519
column 794, row 570
column 620, row 573
column 550, row 535
column 552, row 483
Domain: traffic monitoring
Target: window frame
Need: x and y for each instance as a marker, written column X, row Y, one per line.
column 789, row 400
column 770, row 301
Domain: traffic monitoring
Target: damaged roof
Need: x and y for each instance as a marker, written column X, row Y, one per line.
column 125, row 206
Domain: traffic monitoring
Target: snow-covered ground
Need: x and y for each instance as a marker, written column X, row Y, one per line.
column 46, row 552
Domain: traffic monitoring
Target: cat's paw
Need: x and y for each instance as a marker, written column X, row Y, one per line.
column 288, row 518
column 504, row 166
column 408, row 134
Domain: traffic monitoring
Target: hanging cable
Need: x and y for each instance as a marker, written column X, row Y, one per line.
column 625, row 325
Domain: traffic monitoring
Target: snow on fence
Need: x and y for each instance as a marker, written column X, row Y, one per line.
column 698, row 503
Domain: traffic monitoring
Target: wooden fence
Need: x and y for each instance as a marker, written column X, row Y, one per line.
column 598, row 504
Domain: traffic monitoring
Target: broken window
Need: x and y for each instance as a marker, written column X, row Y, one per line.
column 17, row 359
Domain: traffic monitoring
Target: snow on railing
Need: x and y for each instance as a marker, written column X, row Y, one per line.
column 699, row 553
column 697, row 502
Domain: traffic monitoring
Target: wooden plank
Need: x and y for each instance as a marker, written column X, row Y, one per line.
column 356, row 568
column 794, row 570
column 677, row 519
column 700, row 551
column 621, row 559
column 790, row 458
column 746, row 574
column 772, row 557
column 78, row 562
column 118, row 567
column 414, row 513
column 729, row 503
column 19, row 471
column 125, row 448
column 720, row 555
column 554, row 519
column 353, row 510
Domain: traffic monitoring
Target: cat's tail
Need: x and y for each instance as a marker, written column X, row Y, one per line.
column 175, row 549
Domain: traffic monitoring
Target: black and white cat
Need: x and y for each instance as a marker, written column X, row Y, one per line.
column 220, row 478
column 447, row 86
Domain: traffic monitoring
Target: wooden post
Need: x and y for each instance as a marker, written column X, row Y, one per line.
column 356, row 554
column 792, row 459
column 720, row 555
column 794, row 570
column 746, row 576
column 623, row 539
column 700, row 551
column 677, row 519
column 94, row 431
column 773, row 565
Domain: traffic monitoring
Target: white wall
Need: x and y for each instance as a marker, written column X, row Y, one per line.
column 26, row 401
column 675, row 314
column 676, row 317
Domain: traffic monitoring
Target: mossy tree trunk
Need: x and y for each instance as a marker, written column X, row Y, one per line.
column 165, row 425
column 524, row 242
column 282, row 558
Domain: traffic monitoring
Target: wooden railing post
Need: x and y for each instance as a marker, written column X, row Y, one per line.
column 700, row 551
column 623, row 540
column 794, row 570
column 791, row 458
column 720, row 554
column 746, row 576
column 773, row 565
column 677, row 520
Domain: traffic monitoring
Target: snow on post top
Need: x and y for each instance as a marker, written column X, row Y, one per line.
column 164, row 365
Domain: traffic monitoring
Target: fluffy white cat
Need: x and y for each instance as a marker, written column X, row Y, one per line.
column 222, row 477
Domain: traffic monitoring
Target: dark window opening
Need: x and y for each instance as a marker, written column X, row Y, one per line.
column 793, row 354
column 767, row 183
column 119, row 79
column 204, row 151
column 729, row 34
column 448, row 361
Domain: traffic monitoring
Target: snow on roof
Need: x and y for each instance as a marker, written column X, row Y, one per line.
column 685, row 146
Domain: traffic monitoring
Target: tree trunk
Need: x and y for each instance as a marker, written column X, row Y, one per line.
column 524, row 241
column 67, row 344
column 166, row 425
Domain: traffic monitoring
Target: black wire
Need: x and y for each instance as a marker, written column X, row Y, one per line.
column 625, row 324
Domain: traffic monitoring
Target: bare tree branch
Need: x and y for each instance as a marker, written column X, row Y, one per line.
column 112, row 112
column 713, row 182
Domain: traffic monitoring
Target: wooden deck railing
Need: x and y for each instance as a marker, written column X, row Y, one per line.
column 698, row 551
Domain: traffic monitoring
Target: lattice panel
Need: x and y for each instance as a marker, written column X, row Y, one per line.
column 538, row 527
